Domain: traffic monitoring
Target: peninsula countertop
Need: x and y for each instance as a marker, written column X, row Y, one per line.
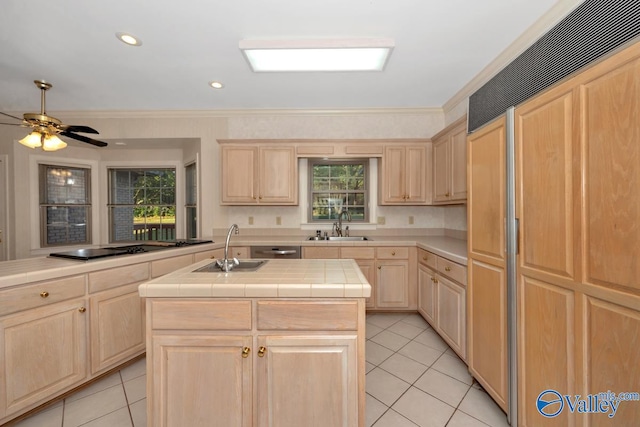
column 278, row 278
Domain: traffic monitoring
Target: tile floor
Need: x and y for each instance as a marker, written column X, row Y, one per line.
column 413, row 379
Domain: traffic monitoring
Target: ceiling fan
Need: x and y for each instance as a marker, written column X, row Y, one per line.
column 46, row 128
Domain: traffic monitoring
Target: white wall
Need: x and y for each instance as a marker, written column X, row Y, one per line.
column 203, row 129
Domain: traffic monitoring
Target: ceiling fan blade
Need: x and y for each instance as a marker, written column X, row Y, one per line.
column 84, row 139
column 9, row 115
column 78, row 128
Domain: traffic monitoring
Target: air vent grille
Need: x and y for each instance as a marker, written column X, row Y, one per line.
column 593, row 29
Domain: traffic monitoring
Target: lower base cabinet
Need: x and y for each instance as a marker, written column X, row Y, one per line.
column 299, row 363
column 39, row 361
column 117, row 325
column 307, row 378
column 442, row 299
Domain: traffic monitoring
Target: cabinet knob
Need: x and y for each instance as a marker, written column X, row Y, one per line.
column 44, row 294
column 393, row 253
column 82, row 309
column 433, row 279
column 447, row 195
column 238, row 253
column 447, row 269
column 260, row 197
column 261, row 351
column 254, row 197
column 245, row 352
column 424, row 258
column 379, row 267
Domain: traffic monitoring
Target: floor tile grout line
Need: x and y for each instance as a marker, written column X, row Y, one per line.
column 455, row 408
column 126, row 398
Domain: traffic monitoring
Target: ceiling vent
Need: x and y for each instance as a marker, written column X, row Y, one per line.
column 593, row 29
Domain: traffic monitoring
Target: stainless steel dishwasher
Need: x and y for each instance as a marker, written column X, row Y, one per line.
column 275, row 252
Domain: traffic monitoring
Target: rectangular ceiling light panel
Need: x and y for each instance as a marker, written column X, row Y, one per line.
column 317, row 55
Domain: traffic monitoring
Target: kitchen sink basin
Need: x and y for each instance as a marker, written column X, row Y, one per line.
column 341, row 238
column 245, row 265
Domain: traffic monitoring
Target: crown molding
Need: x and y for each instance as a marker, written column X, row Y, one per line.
column 164, row 114
column 554, row 15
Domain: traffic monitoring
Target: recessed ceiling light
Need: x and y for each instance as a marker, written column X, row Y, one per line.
column 216, row 85
column 129, row 39
column 317, row 55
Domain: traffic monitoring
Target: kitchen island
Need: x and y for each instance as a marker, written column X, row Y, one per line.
column 282, row 345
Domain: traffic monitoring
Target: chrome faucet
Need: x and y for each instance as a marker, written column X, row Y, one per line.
column 338, row 227
column 227, row 264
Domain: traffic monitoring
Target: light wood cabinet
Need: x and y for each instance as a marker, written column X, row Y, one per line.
column 450, row 164
column 442, row 298
column 307, row 380
column 427, row 297
column 43, row 353
column 404, row 177
column 301, row 360
column 577, row 165
column 365, row 258
column 321, row 252
column 117, row 327
column 201, row 380
column 486, row 288
column 392, row 284
column 256, row 174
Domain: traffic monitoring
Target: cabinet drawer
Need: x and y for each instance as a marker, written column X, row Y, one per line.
column 200, row 315
column 114, row 277
column 357, row 253
column 164, row 266
column 307, row 315
column 215, row 253
column 427, row 258
column 321, row 252
column 40, row 294
column 240, row 252
column 452, row 270
column 392, row 252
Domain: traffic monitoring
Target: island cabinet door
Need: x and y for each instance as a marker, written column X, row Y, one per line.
column 307, row 381
column 200, row 381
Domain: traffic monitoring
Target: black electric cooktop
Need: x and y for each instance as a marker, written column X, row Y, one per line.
column 97, row 253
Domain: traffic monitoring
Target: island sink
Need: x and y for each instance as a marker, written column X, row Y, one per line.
column 244, row 265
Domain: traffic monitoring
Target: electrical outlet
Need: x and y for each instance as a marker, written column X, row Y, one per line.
column 410, row 219
column 278, row 220
column 381, row 220
column 250, row 220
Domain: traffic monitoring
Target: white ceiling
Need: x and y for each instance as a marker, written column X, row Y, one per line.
column 439, row 46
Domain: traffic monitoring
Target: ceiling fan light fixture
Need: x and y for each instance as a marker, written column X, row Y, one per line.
column 129, row 39
column 53, row 143
column 216, row 84
column 33, row 140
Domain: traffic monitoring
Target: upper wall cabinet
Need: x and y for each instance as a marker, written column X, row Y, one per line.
column 264, row 175
column 404, row 175
column 450, row 164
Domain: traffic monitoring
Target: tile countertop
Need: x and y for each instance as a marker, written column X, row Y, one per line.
column 278, row 278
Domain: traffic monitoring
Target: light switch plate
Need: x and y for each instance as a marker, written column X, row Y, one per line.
column 250, row 220
column 278, row 220
column 381, row 220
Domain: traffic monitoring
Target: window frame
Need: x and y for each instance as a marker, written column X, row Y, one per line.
column 110, row 169
column 191, row 205
column 43, row 204
column 331, row 162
